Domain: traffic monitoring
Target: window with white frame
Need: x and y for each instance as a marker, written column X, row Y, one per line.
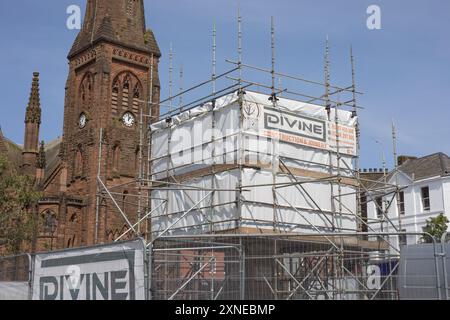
column 401, row 203
column 379, row 207
column 402, row 239
column 425, row 196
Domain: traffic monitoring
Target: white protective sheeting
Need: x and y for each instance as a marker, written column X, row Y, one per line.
column 14, row 291
column 218, row 208
column 234, row 133
column 204, row 135
column 195, row 143
column 296, row 211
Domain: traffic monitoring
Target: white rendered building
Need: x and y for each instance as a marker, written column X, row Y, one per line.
column 424, row 193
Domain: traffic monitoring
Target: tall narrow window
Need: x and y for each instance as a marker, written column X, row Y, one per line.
column 425, row 193
column 136, row 160
column 115, row 97
column 79, row 163
column 124, row 200
column 401, row 202
column 116, row 158
column 126, row 93
column 402, row 239
column 136, row 97
column 86, row 91
column 71, row 242
column 83, row 94
column 364, row 227
column 379, row 205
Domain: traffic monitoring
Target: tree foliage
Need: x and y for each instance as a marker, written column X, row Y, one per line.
column 17, row 198
column 436, row 227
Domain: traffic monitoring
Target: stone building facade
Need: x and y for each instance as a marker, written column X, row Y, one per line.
column 113, row 74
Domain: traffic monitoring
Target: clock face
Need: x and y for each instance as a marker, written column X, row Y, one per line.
column 128, row 119
column 83, row 120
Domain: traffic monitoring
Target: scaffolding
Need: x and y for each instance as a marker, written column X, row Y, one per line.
column 324, row 257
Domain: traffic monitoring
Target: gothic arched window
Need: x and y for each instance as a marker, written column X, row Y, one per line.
column 50, row 222
column 126, row 93
column 74, row 218
column 71, row 242
column 115, row 97
column 87, row 91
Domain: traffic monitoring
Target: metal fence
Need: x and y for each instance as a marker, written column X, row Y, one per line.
column 424, row 271
column 273, row 267
column 257, row 267
column 15, row 277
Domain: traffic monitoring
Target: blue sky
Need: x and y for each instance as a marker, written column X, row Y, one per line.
column 403, row 69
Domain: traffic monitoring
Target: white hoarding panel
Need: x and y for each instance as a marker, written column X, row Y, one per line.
column 14, row 291
column 113, row 272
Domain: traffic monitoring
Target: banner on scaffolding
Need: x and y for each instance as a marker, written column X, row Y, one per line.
column 112, row 272
column 299, row 128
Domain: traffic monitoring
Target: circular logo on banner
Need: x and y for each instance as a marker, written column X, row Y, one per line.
column 251, row 110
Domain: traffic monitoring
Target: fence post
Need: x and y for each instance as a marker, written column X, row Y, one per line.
column 30, row 276
column 436, row 263
column 150, row 271
column 444, row 265
column 242, row 273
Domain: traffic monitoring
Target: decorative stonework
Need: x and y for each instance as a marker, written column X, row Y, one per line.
column 41, row 162
column 85, row 58
column 109, row 76
column 33, row 113
column 126, row 55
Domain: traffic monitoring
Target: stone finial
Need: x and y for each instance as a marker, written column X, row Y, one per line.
column 41, row 161
column 33, row 113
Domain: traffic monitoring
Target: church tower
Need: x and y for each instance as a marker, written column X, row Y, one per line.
column 32, row 124
column 113, row 74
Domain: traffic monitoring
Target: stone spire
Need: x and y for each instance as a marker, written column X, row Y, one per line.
column 120, row 22
column 33, row 113
column 32, row 124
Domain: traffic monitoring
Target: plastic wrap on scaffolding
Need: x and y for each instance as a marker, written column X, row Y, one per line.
column 246, row 141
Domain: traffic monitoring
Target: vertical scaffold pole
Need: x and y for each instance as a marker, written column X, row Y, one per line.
column 240, row 47
column 397, row 194
column 149, row 146
column 181, row 87
column 97, row 206
column 141, row 166
column 170, row 79
column 272, row 32
column 214, row 58
column 273, row 98
column 241, row 120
